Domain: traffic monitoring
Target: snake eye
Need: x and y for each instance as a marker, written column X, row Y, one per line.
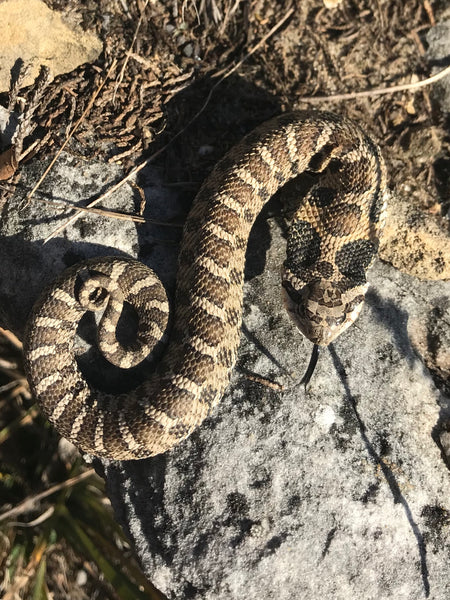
column 357, row 301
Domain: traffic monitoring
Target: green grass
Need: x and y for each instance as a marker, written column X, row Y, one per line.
column 55, row 520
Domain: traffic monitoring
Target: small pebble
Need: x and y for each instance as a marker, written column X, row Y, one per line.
column 205, row 150
column 188, row 50
column 445, row 441
column 81, row 578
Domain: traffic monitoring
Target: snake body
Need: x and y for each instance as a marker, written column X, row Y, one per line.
column 332, row 241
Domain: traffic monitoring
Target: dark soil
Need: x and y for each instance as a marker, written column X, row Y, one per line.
column 183, row 47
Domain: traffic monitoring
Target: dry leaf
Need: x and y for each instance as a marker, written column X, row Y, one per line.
column 8, row 163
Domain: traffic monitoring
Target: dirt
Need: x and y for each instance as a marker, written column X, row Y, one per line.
column 170, row 54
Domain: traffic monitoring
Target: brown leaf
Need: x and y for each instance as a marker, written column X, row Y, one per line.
column 8, row 164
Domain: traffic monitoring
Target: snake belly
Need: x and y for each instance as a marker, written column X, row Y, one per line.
column 332, row 241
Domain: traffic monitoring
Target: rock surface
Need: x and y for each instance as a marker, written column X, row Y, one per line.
column 438, row 39
column 30, row 31
column 339, row 493
column 416, row 242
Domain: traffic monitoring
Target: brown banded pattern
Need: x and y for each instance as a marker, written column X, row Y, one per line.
column 332, row 241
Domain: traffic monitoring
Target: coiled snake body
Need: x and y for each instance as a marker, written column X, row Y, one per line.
column 332, row 241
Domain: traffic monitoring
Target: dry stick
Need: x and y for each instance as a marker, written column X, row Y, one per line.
column 227, row 16
column 429, row 11
column 75, row 127
column 104, row 213
column 127, row 58
column 108, row 213
column 146, row 162
column 45, row 515
column 12, row 339
column 26, row 126
column 29, row 503
column 379, row 91
column 274, row 385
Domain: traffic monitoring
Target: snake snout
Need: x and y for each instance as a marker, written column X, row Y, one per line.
column 321, row 310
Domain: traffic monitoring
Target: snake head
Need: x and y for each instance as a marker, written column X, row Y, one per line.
column 322, row 309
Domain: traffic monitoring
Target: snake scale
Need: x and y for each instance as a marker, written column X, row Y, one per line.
column 332, row 241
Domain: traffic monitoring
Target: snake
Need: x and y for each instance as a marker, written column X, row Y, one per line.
column 332, row 240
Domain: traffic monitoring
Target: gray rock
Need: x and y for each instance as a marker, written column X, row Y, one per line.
column 8, row 126
column 37, row 35
column 337, row 493
column 28, row 264
column 341, row 492
column 438, row 39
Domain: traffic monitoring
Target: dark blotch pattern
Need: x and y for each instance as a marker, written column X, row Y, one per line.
column 377, row 198
column 324, row 269
column 320, row 160
column 303, row 246
column 293, row 294
column 253, row 138
column 376, row 208
column 264, row 194
column 354, row 258
column 225, row 165
column 284, row 119
column 322, row 196
column 204, row 195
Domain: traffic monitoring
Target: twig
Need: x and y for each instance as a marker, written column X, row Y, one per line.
column 378, row 91
column 429, row 10
column 228, row 14
column 127, row 58
column 11, row 384
column 25, row 126
column 75, row 127
column 119, row 157
column 18, row 74
column 146, row 162
column 29, row 503
column 45, row 515
column 12, row 339
column 97, row 211
column 273, row 385
column 28, row 417
column 108, row 213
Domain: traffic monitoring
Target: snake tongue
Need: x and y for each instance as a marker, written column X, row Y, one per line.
column 312, row 365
